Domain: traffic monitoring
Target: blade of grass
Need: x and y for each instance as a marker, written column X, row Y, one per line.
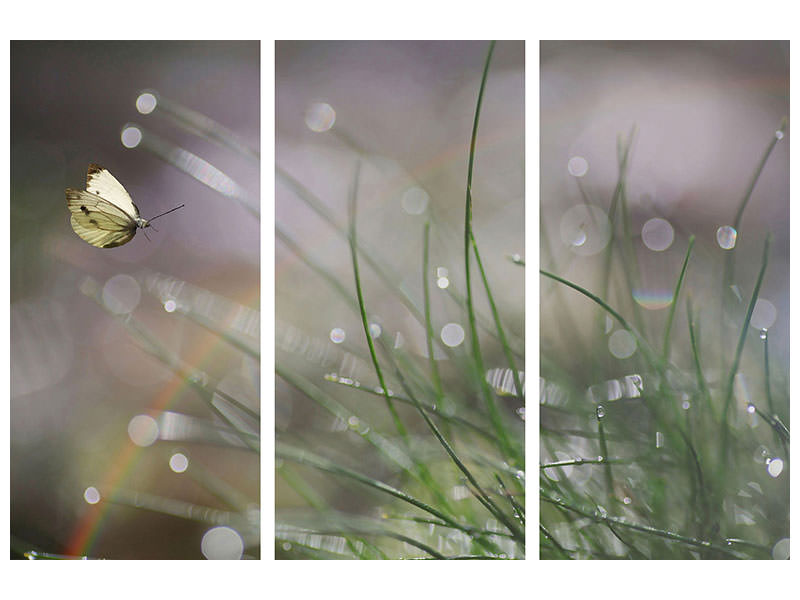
column 601, row 432
column 496, row 316
column 674, row 303
column 399, row 426
column 669, row 535
column 481, row 494
column 362, row 308
column 701, row 381
column 727, row 398
column 548, row 536
column 491, row 406
column 730, row 257
column 437, row 382
column 283, row 450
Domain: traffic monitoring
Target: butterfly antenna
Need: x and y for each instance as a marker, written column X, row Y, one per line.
column 166, row 213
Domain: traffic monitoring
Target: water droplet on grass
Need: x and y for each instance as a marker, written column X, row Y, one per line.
column 600, row 411
column 726, row 237
column 337, row 335
column 751, row 408
column 775, row 467
column 779, row 135
column 585, row 229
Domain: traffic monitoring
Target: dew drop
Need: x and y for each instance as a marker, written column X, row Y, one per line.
column 415, row 200
column 452, row 334
column 143, row 430
column 621, row 344
column 222, row 543
column 337, row 335
column 91, row 495
column 320, row 117
column 659, row 439
column 763, row 334
column 146, row 103
column 779, row 135
column 442, row 282
column 774, row 467
column 726, row 237
column 657, row 234
column 751, row 408
column 585, row 229
column 131, row 136
column 764, row 314
column 179, row 462
column 780, row 551
column 686, row 405
column 578, row 166
column 600, row 411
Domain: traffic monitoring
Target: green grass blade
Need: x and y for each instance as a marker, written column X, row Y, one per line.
column 491, row 406
column 496, row 316
column 437, row 382
column 283, row 450
column 701, row 380
column 727, row 398
column 362, row 308
column 673, row 306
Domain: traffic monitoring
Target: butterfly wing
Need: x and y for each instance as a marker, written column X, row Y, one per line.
column 98, row 221
column 102, row 183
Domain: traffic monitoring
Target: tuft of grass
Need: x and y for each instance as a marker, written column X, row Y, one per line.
column 442, row 476
column 656, row 455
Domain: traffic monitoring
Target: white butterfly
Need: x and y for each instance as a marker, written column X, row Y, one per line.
column 104, row 215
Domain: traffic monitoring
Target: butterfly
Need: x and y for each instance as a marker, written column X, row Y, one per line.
column 104, row 214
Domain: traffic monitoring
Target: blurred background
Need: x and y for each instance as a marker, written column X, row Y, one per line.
column 406, row 110
column 703, row 114
column 135, row 370
column 656, row 142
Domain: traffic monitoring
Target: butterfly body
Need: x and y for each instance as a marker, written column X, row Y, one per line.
column 104, row 215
